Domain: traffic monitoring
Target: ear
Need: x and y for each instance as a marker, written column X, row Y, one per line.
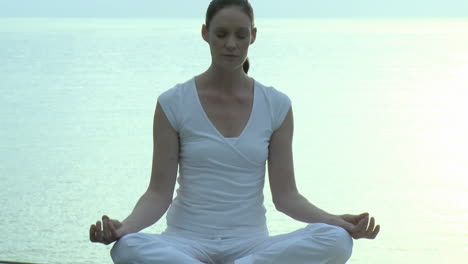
column 204, row 32
column 254, row 35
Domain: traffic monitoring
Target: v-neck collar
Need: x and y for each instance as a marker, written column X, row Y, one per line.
column 252, row 111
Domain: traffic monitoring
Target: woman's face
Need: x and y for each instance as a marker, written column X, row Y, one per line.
column 229, row 37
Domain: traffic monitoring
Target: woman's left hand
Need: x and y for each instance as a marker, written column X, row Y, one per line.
column 359, row 226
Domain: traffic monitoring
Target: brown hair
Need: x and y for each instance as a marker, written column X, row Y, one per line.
column 216, row 5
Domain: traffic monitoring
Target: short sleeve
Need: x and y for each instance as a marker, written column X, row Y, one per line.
column 281, row 106
column 170, row 104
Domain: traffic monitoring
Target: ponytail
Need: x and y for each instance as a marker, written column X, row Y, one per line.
column 246, row 65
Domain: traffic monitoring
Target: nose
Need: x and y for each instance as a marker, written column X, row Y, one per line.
column 230, row 42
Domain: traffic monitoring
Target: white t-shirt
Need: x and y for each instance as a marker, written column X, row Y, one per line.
column 220, row 179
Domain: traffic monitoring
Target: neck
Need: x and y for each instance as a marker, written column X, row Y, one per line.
column 227, row 81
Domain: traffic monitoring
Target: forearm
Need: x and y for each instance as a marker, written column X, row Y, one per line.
column 299, row 208
column 148, row 210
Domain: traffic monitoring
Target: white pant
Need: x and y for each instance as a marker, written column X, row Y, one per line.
column 316, row 243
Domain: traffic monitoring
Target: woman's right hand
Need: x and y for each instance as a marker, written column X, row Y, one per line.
column 107, row 232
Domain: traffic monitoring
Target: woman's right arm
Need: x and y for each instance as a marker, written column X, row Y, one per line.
column 156, row 200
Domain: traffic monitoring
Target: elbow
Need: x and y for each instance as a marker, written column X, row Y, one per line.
column 283, row 202
column 279, row 208
column 167, row 200
column 279, row 204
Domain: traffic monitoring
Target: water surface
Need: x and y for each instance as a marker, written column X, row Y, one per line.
column 380, row 126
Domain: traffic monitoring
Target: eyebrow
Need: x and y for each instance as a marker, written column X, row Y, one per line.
column 242, row 29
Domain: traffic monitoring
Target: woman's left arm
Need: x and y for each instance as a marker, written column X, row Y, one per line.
column 287, row 198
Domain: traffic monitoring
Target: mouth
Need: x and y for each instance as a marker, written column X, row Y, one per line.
column 230, row 55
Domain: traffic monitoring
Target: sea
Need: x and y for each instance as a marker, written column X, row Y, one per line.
column 380, row 112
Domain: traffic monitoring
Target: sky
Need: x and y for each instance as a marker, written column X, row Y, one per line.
column 263, row 8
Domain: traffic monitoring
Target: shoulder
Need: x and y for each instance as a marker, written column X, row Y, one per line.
column 174, row 102
column 177, row 92
column 273, row 95
column 277, row 104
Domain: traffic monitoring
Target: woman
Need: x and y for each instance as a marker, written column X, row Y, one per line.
column 220, row 127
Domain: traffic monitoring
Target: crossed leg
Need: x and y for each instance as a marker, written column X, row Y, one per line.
column 316, row 243
column 143, row 248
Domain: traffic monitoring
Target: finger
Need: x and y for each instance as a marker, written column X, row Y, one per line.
column 376, row 231
column 92, row 233
column 364, row 216
column 113, row 230
column 370, row 229
column 354, row 231
column 360, row 229
column 362, row 225
column 358, row 218
column 106, row 231
column 99, row 235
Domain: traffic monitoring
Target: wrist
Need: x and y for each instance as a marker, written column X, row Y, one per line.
column 337, row 220
column 124, row 229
